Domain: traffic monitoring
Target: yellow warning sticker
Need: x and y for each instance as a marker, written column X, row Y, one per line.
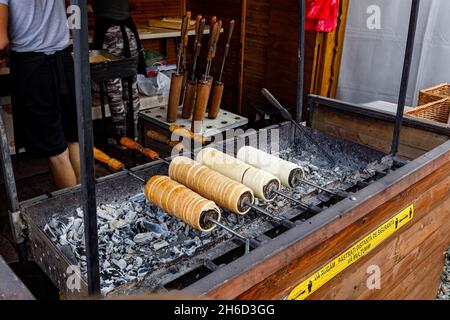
column 350, row 256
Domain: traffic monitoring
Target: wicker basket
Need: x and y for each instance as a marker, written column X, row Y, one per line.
column 434, row 94
column 438, row 111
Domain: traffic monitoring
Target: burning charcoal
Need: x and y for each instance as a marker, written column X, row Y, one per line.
column 117, row 224
column 173, row 270
column 160, row 245
column 190, row 252
column 142, row 272
column 142, row 238
column 122, row 264
column 129, row 242
column 138, row 262
column 106, row 290
column 155, row 228
column 119, row 282
column 232, row 218
column 138, row 208
column 176, row 251
column 116, row 239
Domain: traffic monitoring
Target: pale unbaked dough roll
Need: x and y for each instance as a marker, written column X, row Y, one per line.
column 289, row 173
column 212, row 185
column 223, row 163
column 261, row 182
column 183, row 203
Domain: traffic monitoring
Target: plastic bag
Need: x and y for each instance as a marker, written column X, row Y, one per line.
column 321, row 15
column 156, row 86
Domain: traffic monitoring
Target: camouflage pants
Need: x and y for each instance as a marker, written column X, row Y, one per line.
column 117, row 90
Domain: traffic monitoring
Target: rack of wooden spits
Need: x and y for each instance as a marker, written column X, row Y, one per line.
column 195, row 190
column 197, row 94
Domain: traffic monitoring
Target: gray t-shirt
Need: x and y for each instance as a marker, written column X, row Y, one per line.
column 112, row 9
column 37, row 25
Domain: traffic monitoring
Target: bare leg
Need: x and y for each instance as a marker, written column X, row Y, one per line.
column 74, row 155
column 62, row 171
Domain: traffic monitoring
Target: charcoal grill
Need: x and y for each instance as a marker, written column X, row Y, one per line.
column 225, row 250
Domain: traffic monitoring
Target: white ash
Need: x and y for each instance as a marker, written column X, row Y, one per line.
column 135, row 238
column 444, row 290
column 319, row 172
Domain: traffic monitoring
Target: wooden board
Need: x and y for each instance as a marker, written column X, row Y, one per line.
column 375, row 133
column 166, row 23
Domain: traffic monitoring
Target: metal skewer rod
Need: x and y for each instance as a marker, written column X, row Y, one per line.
column 313, row 208
column 337, row 193
column 248, row 242
column 134, row 175
column 284, row 222
column 198, row 46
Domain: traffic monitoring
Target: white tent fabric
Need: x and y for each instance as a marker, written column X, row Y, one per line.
column 373, row 59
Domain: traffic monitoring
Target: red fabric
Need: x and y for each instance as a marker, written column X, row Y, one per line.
column 321, row 15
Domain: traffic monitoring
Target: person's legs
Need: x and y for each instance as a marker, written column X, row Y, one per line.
column 113, row 43
column 74, row 155
column 62, row 170
column 136, row 99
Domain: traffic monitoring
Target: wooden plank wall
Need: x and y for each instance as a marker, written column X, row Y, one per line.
column 143, row 10
column 257, row 35
column 271, row 53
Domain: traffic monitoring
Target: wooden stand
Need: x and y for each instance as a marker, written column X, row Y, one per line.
column 203, row 92
column 176, row 86
column 216, row 100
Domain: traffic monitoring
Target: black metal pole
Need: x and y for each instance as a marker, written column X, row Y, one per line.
column 11, row 190
column 7, row 169
column 405, row 76
column 301, row 61
column 86, row 137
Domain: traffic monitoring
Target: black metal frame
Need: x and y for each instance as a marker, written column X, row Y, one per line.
column 405, row 75
column 86, row 137
column 301, row 61
column 84, row 99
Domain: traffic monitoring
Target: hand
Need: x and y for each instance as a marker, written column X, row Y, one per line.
column 3, row 57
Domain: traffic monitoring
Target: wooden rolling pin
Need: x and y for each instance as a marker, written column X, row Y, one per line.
column 186, row 41
column 185, row 133
column 177, row 78
column 204, row 86
column 201, row 104
column 191, row 86
column 217, row 91
column 156, row 136
column 113, row 164
column 133, row 145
